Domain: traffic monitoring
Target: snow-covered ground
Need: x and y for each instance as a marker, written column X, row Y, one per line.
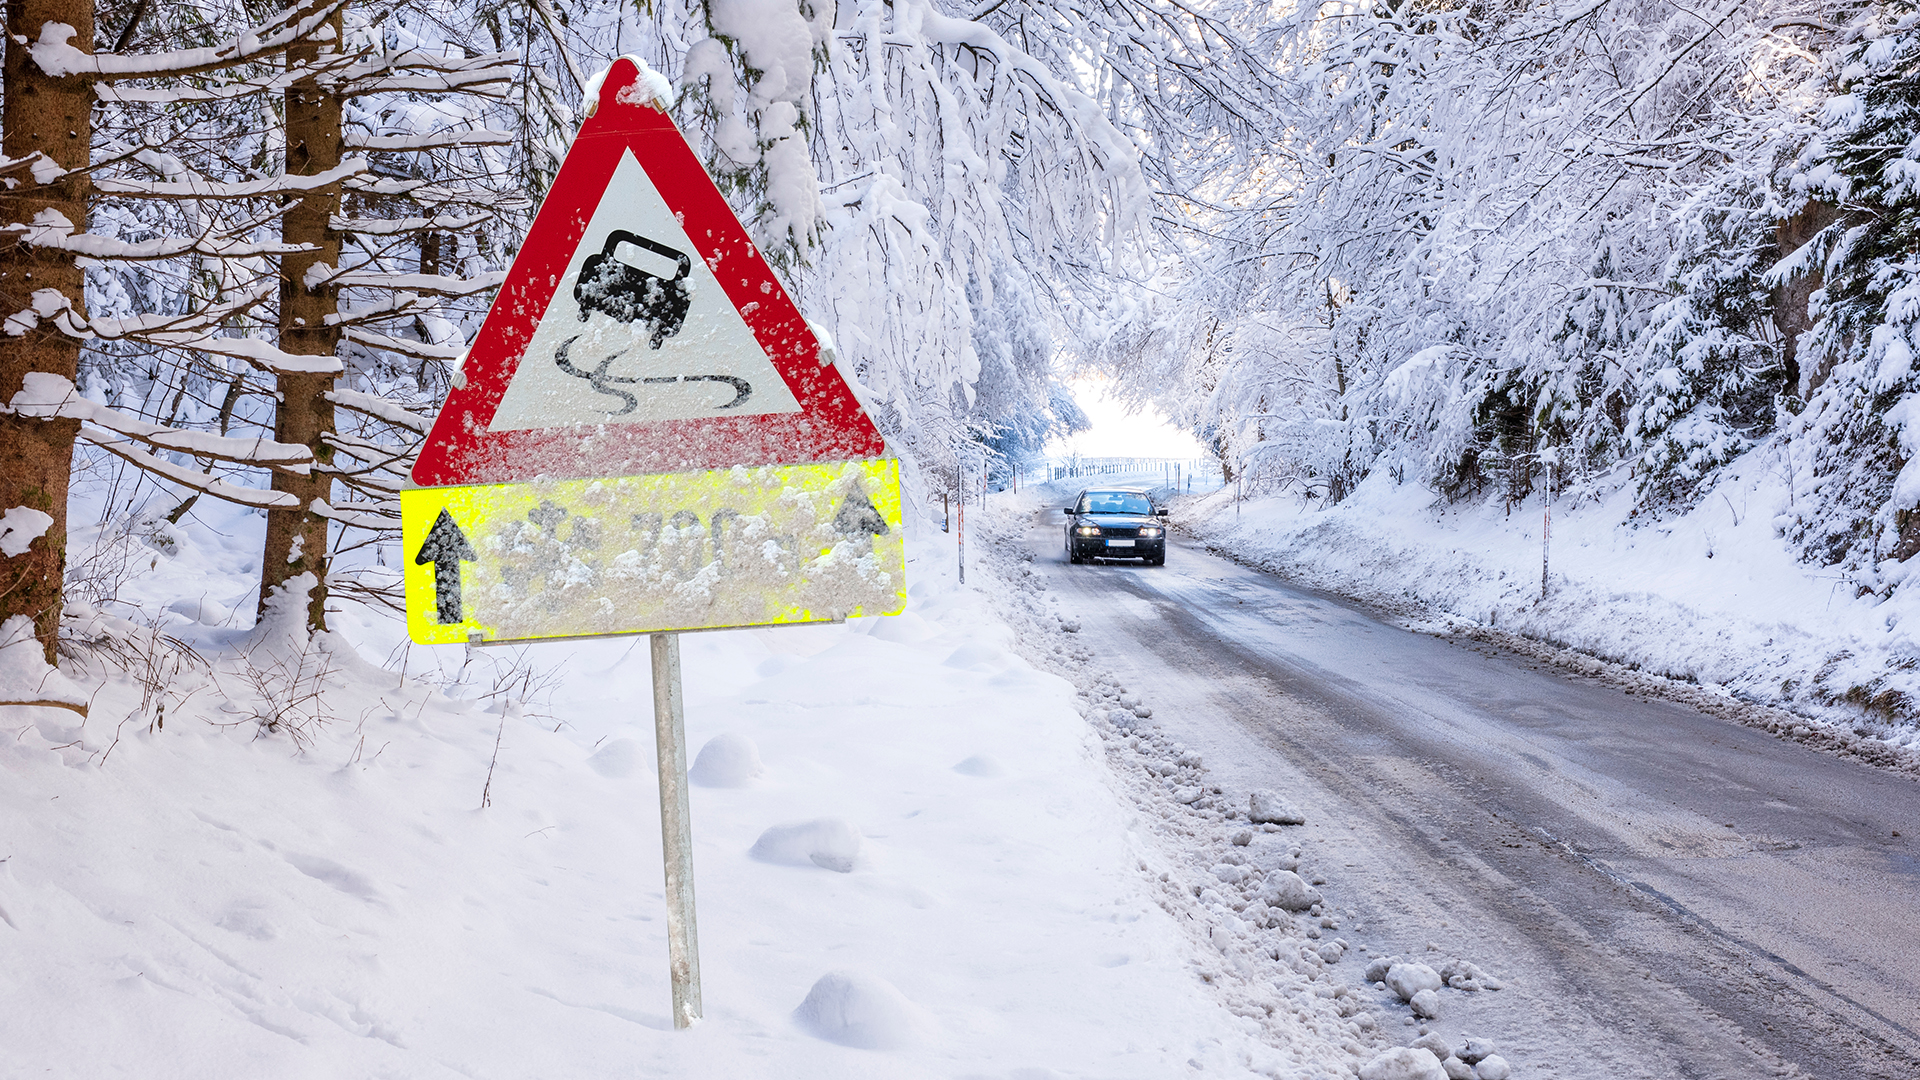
column 914, row 852
column 1711, row 605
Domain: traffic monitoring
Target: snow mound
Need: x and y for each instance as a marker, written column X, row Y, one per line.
column 830, row 842
column 619, row 759
column 728, row 760
column 1493, row 1067
column 1268, row 808
column 976, row 657
column 25, row 676
column 858, row 1010
column 981, row 765
column 1404, row 1063
column 204, row 611
column 1409, row 979
column 1475, row 1050
column 1435, row 1042
column 1425, row 1004
column 1287, row 891
column 1462, row 975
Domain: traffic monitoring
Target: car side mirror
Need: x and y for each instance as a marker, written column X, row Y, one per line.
column 1067, row 510
column 1162, row 512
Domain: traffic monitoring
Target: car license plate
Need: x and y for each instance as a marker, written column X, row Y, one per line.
column 1119, row 543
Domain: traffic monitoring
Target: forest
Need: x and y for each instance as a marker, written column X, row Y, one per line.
column 1530, row 676
column 1484, row 247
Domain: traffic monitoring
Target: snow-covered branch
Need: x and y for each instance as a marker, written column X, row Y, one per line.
column 436, row 140
column 445, row 222
column 45, row 396
column 380, row 409
column 192, row 479
column 302, row 22
column 434, row 284
column 284, row 184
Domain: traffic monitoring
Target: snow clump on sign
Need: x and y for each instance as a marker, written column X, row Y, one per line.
column 728, row 760
column 1404, row 1063
column 20, row 527
column 831, row 842
column 651, row 88
column 858, row 1010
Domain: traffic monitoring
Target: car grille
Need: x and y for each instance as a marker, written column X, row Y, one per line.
column 1119, row 530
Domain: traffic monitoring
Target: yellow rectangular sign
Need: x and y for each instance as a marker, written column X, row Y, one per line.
column 638, row 554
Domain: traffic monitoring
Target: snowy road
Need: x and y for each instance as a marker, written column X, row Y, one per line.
column 1664, row 893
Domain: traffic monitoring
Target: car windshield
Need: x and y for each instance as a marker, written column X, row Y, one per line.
column 1115, row 502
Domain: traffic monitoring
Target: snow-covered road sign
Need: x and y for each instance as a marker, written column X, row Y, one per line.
column 647, row 436
column 674, row 551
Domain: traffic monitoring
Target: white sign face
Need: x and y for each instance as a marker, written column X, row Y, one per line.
column 639, row 329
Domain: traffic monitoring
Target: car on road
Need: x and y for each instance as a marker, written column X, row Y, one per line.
column 1116, row 523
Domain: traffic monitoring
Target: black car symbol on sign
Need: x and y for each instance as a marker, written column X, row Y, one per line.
column 630, row 294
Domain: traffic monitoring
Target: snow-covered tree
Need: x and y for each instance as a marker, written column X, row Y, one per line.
column 1541, row 224
column 241, row 181
column 1855, row 450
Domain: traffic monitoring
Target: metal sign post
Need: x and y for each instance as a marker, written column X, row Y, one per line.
column 676, row 829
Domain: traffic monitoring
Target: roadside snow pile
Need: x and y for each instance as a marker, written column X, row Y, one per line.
column 830, row 843
column 728, row 760
column 1709, row 607
column 860, row 1010
column 1404, row 1063
column 1267, row 808
column 266, row 856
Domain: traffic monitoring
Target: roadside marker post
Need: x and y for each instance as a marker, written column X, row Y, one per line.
column 961, row 528
column 646, row 437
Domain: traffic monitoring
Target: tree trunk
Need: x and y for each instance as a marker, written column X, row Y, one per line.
column 297, row 537
column 1790, row 300
column 54, row 117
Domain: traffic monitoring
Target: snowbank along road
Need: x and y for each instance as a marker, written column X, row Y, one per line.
column 1664, row 894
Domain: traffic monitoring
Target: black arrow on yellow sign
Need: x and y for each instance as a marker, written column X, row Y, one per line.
column 446, row 547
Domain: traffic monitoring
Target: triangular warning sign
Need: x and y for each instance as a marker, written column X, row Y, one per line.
column 639, row 331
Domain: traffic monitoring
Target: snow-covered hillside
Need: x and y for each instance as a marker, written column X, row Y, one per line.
column 913, row 858
column 1712, row 605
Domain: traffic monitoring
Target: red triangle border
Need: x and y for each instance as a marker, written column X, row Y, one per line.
column 830, row 426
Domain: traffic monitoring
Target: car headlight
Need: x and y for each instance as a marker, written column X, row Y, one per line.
column 1087, row 530
column 1149, row 530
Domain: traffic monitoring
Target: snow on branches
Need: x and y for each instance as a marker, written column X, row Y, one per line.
column 202, row 231
column 1494, row 231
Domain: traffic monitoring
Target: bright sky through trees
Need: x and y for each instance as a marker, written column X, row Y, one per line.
column 1119, row 432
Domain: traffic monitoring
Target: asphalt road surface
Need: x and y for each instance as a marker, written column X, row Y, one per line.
column 1666, row 894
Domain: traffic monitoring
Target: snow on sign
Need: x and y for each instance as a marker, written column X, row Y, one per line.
column 647, row 435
